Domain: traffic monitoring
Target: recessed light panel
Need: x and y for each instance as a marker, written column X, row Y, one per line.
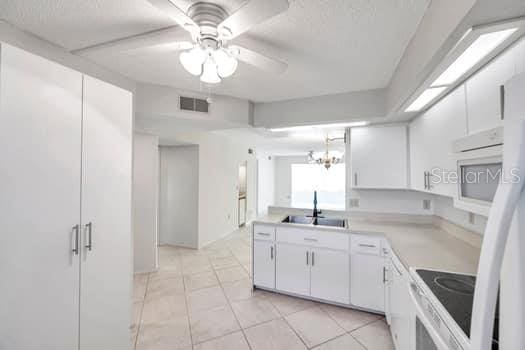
column 480, row 48
column 425, row 98
column 319, row 126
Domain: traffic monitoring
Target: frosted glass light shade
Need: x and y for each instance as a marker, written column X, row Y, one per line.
column 226, row 63
column 209, row 72
column 193, row 60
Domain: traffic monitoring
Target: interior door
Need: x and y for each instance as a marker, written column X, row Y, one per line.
column 264, row 264
column 330, row 275
column 293, row 269
column 40, row 123
column 106, row 269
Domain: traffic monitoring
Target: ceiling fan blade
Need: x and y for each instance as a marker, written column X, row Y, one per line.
column 258, row 60
column 176, row 14
column 156, row 37
column 162, row 48
column 251, row 14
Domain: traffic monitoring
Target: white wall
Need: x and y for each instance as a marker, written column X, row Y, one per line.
column 444, row 207
column 265, row 182
column 179, row 196
column 145, row 201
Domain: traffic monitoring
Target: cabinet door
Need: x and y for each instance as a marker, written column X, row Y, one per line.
column 292, row 269
column 367, row 289
column 106, row 269
column 379, row 157
column 431, row 137
column 400, row 303
column 483, row 92
column 330, row 275
column 264, row 264
column 520, row 56
column 40, row 123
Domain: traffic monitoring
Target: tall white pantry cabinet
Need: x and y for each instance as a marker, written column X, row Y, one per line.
column 65, row 207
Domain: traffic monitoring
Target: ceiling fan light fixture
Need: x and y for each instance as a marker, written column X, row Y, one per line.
column 226, row 63
column 193, row 60
column 209, row 72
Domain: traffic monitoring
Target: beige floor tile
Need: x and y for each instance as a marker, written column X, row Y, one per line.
column 165, row 274
column 139, row 287
column 350, row 319
column 231, row 274
column 238, row 290
column 200, row 280
column 314, row 326
column 253, row 311
column 168, row 335
column 212, row 323
column 287, row 305
column 164, row 308
column 248, row 269
column 165, row 287
column 273, row 335
column 136, row 310
column 206, row 298
column 244, row 258
column 196, row 264
column 221, row 263
column 346, row 342
column 234, row 341
column 375, row 336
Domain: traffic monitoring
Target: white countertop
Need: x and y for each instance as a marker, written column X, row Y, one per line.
column 416, row 245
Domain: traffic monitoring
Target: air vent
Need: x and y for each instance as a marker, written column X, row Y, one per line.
column 193, row 104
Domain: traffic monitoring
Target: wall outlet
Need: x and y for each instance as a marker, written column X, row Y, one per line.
column 354, row 202
column 471, row 218
column 427, row 204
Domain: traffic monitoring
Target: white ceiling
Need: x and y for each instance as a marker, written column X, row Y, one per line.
column 331, row 46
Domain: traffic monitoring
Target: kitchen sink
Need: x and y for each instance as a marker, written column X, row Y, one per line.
column 298, row 219
column 329, row 222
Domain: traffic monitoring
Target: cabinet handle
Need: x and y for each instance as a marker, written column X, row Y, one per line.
column 271, row 253
column 310, row 239
column 306, row 258
column 425, row 180
column 502, row 101
column 89, row 229
column 384, row 275
column 355, row 179
column 313, row 258
column 263, row 234
column 76, row 230
column 367, row 245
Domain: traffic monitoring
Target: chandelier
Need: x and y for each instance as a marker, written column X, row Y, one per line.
column 210, row 63
column 327, row 159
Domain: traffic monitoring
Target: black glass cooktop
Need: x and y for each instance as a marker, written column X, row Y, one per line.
column 456, row 293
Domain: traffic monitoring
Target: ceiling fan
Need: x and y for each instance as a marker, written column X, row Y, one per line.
column 209, row 55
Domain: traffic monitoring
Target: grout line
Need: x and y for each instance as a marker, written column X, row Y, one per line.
column 187, row 307
column 295, row 332
column 139, row 325
column 357, row 340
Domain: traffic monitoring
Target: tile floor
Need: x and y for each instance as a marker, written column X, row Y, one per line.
column 202, row 300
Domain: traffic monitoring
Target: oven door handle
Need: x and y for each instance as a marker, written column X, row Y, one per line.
column 440, row 343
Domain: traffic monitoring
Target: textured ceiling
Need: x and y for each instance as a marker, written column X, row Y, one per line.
column 331, row 46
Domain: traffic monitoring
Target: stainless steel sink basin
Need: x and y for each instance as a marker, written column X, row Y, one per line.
column 298, row 219
column 329, row 222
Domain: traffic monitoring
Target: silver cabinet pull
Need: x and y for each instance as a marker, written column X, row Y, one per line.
column 271, row 253
column 426, row 179
column 355, row 179
column 313, row 258
column 263, row 234
column 306, row 258
column 502, row 101
column 367, row 245
column 384, row 275
column 89, row 230
column 310, row 239
column 76, row 231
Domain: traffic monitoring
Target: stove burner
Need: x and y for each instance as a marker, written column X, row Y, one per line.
column 454, row 285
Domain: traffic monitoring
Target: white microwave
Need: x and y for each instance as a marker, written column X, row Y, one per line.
column 479, row 170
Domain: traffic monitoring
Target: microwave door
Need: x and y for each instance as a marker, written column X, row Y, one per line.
column 495, row 238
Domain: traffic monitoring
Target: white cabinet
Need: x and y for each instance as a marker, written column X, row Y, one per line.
column 398, row 300
column 330, row 275
column 293, row 269
column 379, row 157
column 66, row 151
column 431, row 136
column 367, row 274
column 483, row 92
column 520, row 56
column 264, row 264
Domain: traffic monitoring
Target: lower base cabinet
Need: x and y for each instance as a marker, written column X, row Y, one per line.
column 330, row 275
column 264, row 264
column 293, row 269
column 398, row 299
column 367, row 281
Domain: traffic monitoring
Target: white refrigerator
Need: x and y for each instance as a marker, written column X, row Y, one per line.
column 502, row 260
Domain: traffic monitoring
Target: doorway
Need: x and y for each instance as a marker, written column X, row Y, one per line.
column 242, row 194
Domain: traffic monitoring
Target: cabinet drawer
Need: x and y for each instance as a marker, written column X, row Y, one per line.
column 264, row 232
column 322, row 239
column 366, row 244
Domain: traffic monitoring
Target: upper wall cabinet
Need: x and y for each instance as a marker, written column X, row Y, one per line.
column 379, row 157
column 484, row 95
column 520, row 57
column 431, row 136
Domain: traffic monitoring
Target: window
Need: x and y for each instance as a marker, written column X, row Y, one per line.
column 329, row 184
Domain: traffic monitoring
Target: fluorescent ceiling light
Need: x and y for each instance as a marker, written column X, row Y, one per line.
column 480, row 48
column 427, row 96
column 319, row 126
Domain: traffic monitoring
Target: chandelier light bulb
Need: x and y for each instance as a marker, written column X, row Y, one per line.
column 209, row 72
column 193, row 60
column 226, row 63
